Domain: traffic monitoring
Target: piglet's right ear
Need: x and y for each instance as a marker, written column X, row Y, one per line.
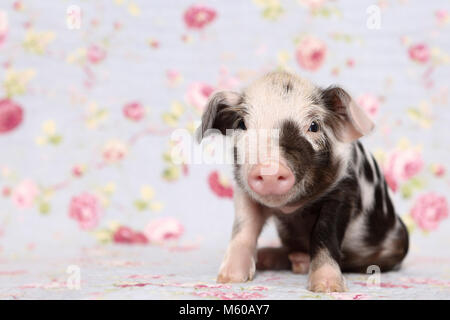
column 355, row 121
column 222, row 112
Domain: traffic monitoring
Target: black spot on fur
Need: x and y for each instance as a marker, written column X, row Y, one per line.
column 360, row 147
column 288, row 87
column 377, row 169
column 378, row 221
column 354, row 155
column 326, row 218
column 368, row 173
column 315, row 169
column 296, row 148
column 390, row 207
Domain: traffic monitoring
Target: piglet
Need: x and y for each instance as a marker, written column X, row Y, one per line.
column 325, row 191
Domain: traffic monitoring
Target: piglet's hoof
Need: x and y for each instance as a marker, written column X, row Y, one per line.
column 327, row 279
column 237, row 270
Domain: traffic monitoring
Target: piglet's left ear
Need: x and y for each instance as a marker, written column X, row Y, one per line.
column 355, row 121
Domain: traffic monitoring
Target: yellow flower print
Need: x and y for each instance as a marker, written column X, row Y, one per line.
column 109, row 188
column 95, row 116
column 15, row 82
column 283, row 58
column 147, row 193
column 6, row 172
column 380, row 155
column 409, row 222
column 192, row 126
column 113, row 225
column 272, row 9
column 50, row 135
column 43, row 201
column 422, row 115
column 346, row 37
column 77, row 57
column 105, row 192
column 171, row 173
column 37, row 42
column 176, row 111
column 103, row 235
column 405, row 144
column 146, row 201
column 133, row 9
column 155, row 206
column 49, row 127
column 439, row 57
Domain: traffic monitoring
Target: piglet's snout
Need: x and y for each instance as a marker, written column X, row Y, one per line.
column 270, row 179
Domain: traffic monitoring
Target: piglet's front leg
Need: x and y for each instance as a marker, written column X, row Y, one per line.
column 325, row 274
column 239, row 262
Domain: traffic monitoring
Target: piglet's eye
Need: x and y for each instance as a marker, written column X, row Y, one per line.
column 241, row 125
column 314, row 127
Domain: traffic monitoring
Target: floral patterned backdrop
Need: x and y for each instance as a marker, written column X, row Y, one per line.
column 88, row 103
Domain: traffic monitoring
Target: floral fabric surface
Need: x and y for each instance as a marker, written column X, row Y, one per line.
column 93, row 202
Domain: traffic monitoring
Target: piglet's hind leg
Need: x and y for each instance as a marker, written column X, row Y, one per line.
column 269, row 258
column 300, row 262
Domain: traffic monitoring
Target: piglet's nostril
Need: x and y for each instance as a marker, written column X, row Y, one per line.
column 264, row 183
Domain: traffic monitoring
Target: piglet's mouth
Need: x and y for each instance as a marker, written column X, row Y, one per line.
column 290, row 209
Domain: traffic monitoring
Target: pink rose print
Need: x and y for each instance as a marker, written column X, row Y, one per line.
column 197, row 17
column 134, row 111
column 24, row 194
column 369, row 103
column 163, row 229
column 11, row 115
column 419, row 53
column 391, row 182
column 85, row 208
column 3, row 26
column 401, row 165
column 350, row 63
column 197, row 95
column 349, row 296
column 173, row 77
column 128, row 236
column 227, row 81
column 78, row 170
column 6, row 191
column 96, row 54
column 154, row 44
column 442, row 16
column 114, row 151
column 312, row 4
column 223, row 295
column 311, row 53
column 438, row 170
column 18, row 5
column 429, row 210
column 220, row 185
